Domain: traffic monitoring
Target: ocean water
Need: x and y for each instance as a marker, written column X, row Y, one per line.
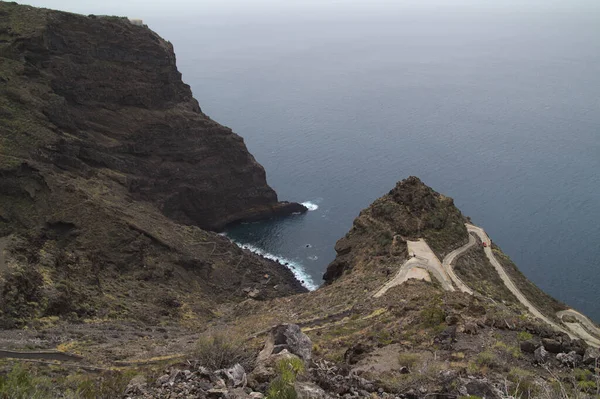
column 496, row 105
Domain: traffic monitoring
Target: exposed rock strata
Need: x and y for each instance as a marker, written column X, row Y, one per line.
column 105, row 157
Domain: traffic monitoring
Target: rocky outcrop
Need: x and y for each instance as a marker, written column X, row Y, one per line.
column 287, row 337
column 411, row 210
column 108, row 170
column 106, row 94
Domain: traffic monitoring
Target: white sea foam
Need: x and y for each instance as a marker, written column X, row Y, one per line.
column 311, row 205
column 294, row 266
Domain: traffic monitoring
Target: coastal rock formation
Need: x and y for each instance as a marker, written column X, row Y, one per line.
column 88, row 94
column 411, row 210
column 108, row 172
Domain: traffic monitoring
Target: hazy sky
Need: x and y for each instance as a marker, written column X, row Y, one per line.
column 154, row 8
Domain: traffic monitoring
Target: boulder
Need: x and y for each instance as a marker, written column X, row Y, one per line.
column 287, row 337
column 235, row 376
column 552, row 345
column 238, row 393
column 265, row 369
column 577, row 345
column 528, row 346
column 137, row 385
column 591, row 356
column 482, row 388
column 471, row 328
column 308, row 390
column 571, row 359
column 541, row 355
column 355, row 353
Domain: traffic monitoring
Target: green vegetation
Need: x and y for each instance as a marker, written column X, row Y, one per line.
column 486, row 359
column 511, row 350
column 221, row 351
column 20, row 383
column 23, row 382
column 524, row 336
column 282, row 387
column 408, row 360
column 524, row 384
column 433, row 315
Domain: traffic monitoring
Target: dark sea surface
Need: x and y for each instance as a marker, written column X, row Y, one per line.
column 495, row 106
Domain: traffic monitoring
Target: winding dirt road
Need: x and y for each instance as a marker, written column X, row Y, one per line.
column 576, row 330
column 583, row 325
column 424, row 259
column 447, row 263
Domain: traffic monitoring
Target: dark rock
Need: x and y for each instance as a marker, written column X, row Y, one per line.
column 216, row 393
column 355, row 353
column 579, row 346
column 552, row 345
column 471, row 328
column 528, row 346
column 287, row 337
column 482, row 388
column 453, row 319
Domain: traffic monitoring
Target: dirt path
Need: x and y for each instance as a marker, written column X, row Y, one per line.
column 451, row 257
column 506, row 279
column 40, row 355
column 575, row 330
column 425, row 260
column 584, row 324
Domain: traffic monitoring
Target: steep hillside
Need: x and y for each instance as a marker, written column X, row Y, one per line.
column 108, row 170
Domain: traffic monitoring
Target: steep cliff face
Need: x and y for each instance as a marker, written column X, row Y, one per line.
column 107, row 165
column 91, row 93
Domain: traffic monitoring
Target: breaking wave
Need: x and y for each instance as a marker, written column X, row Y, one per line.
column 311, row 205
column 296, row 268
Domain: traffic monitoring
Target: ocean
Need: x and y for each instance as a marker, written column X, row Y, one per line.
column 495, row 105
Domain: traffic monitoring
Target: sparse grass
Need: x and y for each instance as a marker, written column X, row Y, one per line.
column 408, row 360
column 220, row 351
column 23, row 382
column 433, row 315
column 523, row 383
column 512, row 350
column 486, row 359
column 524, row 336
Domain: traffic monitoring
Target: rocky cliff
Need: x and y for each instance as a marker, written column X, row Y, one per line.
column 108, row 172
column 89, row 94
